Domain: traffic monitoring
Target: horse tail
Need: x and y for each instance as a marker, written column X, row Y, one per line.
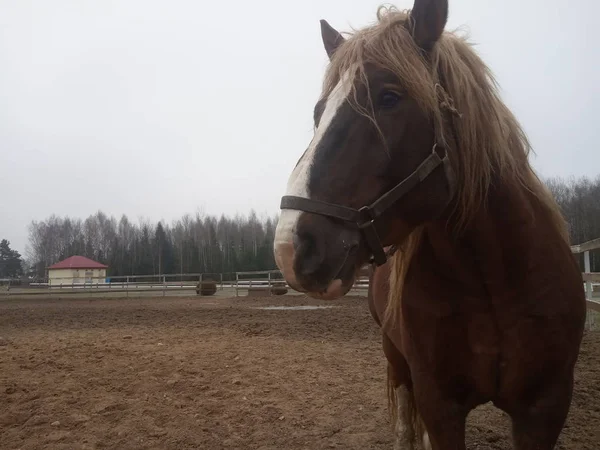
column 408, row 425
column 391, row 394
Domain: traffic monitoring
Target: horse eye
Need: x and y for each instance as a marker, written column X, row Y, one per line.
column 389, row 99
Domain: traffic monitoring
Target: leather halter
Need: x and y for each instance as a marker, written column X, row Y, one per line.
column 365, row 218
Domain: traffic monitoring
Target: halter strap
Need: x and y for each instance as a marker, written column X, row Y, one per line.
column 365, row 217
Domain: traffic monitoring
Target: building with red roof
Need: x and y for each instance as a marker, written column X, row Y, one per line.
column 76, row 270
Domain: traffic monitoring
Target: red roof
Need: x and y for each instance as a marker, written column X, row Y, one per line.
column 78, row 262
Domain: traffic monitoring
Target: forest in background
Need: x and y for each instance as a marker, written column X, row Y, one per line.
column 192, row 244
column 209, row 244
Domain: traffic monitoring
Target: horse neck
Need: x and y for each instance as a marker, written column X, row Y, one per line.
column 500, row 244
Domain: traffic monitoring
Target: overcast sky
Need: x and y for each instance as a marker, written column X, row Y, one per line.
column 157, row 109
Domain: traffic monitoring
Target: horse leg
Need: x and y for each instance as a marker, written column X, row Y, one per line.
column 538, row 426
column 443, row 421
column 409, row 431
column 408, row 427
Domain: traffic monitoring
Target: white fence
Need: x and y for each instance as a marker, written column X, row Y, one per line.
column 240, row 281
column 258, row 280
column 591, row 279
column 115, row 285
column 264, row 280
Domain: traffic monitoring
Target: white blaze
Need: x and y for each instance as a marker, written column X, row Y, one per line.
column 298, row 181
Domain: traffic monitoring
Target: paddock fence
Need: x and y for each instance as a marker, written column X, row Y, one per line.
column 228, row 284
column 125, row 285
column 591, row 279
column 264, row 281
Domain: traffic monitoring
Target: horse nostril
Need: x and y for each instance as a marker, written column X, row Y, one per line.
column 350, row 247
column 309, row 254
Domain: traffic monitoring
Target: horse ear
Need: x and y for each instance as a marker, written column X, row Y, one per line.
column 427, row 21
column 332, row 39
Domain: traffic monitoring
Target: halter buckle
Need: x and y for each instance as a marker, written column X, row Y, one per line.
column 365, row 217
column 366, row 224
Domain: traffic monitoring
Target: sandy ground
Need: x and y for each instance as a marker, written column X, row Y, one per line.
column 214, row 373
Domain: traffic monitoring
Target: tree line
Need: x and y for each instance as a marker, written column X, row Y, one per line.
column 579, row 199
column 192, row 244
column 207, row 244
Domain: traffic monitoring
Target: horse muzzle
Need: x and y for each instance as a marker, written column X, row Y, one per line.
column 316, row 255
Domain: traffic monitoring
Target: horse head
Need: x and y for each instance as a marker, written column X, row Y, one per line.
column 376, row 166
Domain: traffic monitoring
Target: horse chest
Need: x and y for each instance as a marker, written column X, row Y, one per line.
column 483, row 336
column 436, row 320
column 470, row 332
column 438, row 333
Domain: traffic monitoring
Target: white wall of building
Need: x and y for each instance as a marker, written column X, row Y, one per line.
column 56, row 277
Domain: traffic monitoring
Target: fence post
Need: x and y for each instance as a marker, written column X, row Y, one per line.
column 588, row 289
column 269, row 284
column 587, row 269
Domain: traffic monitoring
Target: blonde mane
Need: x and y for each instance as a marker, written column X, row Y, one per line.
column 489, row 144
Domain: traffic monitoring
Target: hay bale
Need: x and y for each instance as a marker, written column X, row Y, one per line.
column 279, row 288
column 207, row 287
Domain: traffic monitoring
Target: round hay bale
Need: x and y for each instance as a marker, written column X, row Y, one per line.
column 279, row 288
column 208, row 287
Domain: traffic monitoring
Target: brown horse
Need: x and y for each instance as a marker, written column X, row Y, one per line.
column 478, row 295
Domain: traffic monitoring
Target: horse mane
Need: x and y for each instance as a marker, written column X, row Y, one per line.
column 489, row 146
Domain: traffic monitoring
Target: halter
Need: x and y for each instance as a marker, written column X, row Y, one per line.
column 365, row 218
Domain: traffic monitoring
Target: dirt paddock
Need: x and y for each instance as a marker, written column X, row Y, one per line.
column 213, row 373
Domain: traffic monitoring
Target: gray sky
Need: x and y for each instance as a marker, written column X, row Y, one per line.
column 158, row 109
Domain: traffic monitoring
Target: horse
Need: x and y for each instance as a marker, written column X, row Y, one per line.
column 419, row 169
